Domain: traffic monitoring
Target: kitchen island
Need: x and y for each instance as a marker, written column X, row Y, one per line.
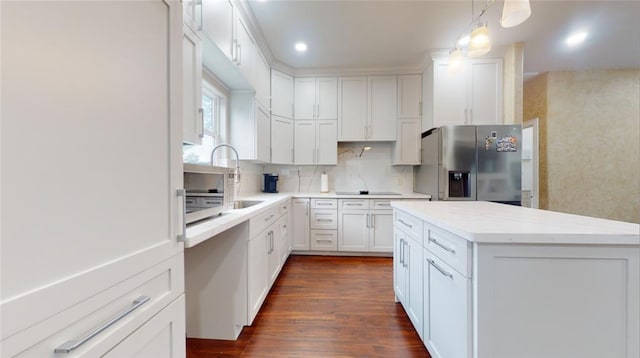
column 481, row 279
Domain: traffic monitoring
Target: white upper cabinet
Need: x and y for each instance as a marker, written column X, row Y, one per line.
column 473, row 96
column 281, row 140
column 192, row 118
column 262, row 79
column 281, row 94
column 218, row 24
column 352, row 108
column 409, row 96
column 245, row 48
column 382, row 108
column 316, row 98
column 367, row 108
column 250, row 127
column 316, row 142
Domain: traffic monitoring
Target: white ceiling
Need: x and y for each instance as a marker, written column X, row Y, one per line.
column 398, row 33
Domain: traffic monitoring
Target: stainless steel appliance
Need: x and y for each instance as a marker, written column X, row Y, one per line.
column 209, row 191
column 471, row 163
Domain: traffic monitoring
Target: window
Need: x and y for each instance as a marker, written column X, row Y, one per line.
column 214, row 117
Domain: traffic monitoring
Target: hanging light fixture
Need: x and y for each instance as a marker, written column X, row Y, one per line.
column 480, row 42
column 515, row 12
column 456, row 58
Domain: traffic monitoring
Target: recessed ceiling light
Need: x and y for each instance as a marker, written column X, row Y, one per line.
column 301, row 47
column 576, row 38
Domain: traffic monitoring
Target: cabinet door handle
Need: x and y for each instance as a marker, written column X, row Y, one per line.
column 201, row 113
column 444, row 247
column 401, row 253
column 406, row 264
column 442, row 271
column 239, row 54
column 373, row 221
column 199, row 3
column 306, row 208
column 72, row 345
column 183, row 193
column 405, row 224
column 470, row 115
column 368, row 221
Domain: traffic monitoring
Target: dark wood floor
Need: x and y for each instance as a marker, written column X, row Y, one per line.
column 325, row 307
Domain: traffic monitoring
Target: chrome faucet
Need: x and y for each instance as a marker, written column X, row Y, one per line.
column 236, row 172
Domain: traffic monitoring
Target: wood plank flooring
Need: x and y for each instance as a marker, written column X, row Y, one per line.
column 325, row 307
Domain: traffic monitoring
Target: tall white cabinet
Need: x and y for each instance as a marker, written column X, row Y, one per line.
column 472, row 96
column 192, row 111
column 106, row 131
column 406, row 149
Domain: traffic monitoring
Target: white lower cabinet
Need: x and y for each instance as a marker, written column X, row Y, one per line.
column 447, row 309
column 363, row 226
column 408, row 273
column 300, row 224
column 161, row 337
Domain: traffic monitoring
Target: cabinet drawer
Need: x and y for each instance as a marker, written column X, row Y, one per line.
column 380, row 204
column 452, row 249
column 262, row 221
column 324, row 203
column 409, row 224
column 324, row 240
column 324, row 219
column 162, row 284
column 210, row 202
column 353, row 204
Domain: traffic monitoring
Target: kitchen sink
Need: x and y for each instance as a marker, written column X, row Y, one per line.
column 243, row 204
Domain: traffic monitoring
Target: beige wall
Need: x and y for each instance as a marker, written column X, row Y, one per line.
column 592, row 136
column 535, row 106
column 512, row 78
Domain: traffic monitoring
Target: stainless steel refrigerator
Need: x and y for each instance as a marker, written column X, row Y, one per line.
column 471, row 163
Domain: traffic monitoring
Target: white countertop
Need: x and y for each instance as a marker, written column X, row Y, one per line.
column 486, row 222
column 206, row 229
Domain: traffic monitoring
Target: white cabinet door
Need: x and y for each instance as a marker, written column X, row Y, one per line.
column 192, row 119
column 447, row 308
column 217, row 24
column 263, row 135
column 414, row 301
column 285, row 239
column 274, row 258
column 126, row 132
column 327, row 98
column 281, row 94
column 262, row 80
column 449, row 96
column 300, row 224
column 191, row 10
column 245, row 50
column 406, row 149
column 281, row 140
column 327, row 142
column 382, row 108
column 485, row 91
column 353, row 231
column 258, row 274
column 305, row 142
column 399, row 269
column 409, row 96
column 352, row 108
column 381, row 231
column 161, row 337
column 305, row 98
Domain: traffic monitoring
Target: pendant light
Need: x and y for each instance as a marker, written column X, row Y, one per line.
column 480, row 42
column 515, row 12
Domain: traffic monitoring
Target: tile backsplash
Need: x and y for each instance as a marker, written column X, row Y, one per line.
column 357, row 169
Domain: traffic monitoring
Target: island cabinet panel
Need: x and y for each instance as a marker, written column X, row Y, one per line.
column 502, row 281
column 585, row 299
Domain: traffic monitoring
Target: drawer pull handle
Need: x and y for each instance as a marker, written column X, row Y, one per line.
column 405, row 224
column 442, row 271
column 353, row 204
column 324, row 240
column 329, row 220
column 72, row 345
column 324, row 204
column 384, row 204
column 442, row 246
column 324, row 234
column 269, row 218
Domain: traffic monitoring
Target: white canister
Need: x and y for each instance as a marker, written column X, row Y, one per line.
column 324, row 183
